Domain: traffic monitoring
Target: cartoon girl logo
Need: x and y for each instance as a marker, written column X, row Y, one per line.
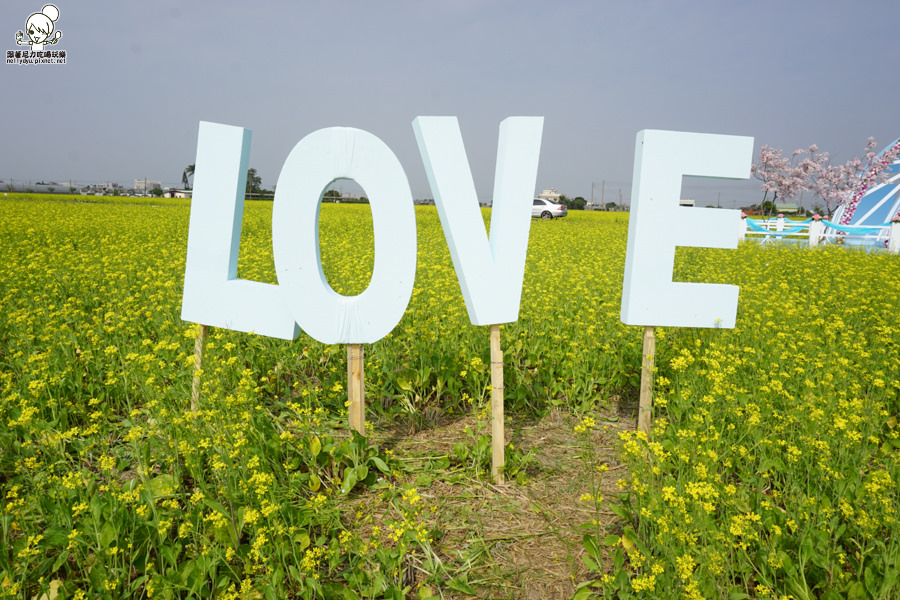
column 40, row 29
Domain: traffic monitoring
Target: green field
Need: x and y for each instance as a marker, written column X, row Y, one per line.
column 771, row 472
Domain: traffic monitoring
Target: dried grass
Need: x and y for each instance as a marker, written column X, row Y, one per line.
column 514, row 541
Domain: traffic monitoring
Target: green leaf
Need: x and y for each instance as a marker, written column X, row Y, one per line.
column 891, row 575
column 872, row 579
column 583, row 591
column 425, row 593
column 630, row 538
column 57, row 536
column 349, row 480
column 620, row 511
column 349, row 594
column 622, row 578
column 97, row 507
column 139, row 582
column 60, row 560
column 216, row 507
column 107, row 534
column 301, row 538
column 801, row 591
column 98, row 577
column 314, row 482
column 404, row 384
column 461, row 584
column 394, row 593
column 806, row 550
column 611, row 540
column 786, row 561
column 186, row 569
column 591, row 547
column 315, row 446
column 856, row 591
column 161, row 485
column 168, row 555
column 380, row 465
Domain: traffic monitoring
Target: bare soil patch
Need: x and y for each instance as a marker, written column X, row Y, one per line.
column 514, row 540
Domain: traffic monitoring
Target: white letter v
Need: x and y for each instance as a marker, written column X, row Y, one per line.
column 490, row 273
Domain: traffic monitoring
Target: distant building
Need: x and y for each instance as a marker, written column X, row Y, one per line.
column 550, row 194
column 177, row 193
column 143, row 186
column 100, row 189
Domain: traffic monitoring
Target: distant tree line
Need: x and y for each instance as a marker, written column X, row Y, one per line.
column 576, row 203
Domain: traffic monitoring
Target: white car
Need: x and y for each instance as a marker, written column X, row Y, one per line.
column 546, row 209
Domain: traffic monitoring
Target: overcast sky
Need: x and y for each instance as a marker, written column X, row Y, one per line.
column 140, row 76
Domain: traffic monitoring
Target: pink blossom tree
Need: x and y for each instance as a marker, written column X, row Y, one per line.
column 787, row 177
column 811, row 170
column 875, row 173
column 833, row 185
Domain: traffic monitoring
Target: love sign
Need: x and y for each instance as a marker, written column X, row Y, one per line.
column 490, row 271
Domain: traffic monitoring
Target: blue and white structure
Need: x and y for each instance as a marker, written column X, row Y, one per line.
column 878, row 206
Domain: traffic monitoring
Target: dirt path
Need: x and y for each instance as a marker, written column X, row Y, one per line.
column 515, row 540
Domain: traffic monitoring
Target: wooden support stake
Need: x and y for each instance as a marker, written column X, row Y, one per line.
column 356, row 390
column 497, row 429
column 649, row 354
column 199, row 345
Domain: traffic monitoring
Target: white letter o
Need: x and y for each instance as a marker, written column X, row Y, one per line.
column 315, row 162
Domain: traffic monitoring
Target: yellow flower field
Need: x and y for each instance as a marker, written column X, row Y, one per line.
column 772, row 469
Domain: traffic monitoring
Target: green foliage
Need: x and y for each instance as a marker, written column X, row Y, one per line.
column 577, row 203
column 254, row 182
column 771, row 470
column 474, row 453
column 187, row 175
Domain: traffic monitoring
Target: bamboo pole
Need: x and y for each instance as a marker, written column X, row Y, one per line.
column 649, row 358
column 199, row 345
column 497, row 429
column 356, row 391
